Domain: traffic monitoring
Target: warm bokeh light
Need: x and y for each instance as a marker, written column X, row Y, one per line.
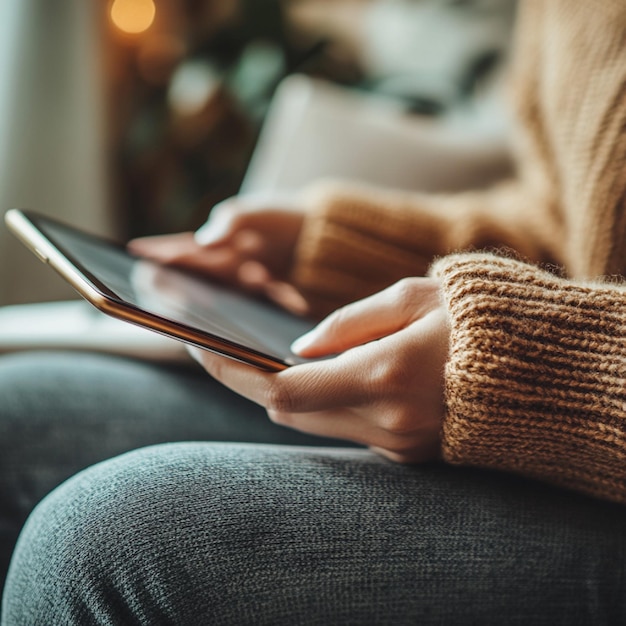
column 133, row 16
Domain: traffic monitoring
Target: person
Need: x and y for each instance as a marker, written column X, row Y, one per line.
column 485, row 390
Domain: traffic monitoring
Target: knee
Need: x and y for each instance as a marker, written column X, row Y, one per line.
column 85, row 554
column 152, row 534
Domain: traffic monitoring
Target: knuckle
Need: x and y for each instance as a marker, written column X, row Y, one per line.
column 278, row 398
column 389, row 379
column 399, row 424
column 406, row 290
column 411, row 294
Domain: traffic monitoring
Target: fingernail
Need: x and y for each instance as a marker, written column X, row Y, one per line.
column 302, row 343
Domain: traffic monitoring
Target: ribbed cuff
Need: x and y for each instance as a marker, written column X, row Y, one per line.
column 536, row 379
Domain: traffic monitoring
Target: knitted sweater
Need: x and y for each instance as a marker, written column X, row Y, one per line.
column 536, row 379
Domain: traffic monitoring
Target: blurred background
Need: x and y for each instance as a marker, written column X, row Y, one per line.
column 133, row 117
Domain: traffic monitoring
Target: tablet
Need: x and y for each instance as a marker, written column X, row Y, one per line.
column 166, row 300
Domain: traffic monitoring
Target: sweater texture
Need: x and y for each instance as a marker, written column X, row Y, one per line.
column 537, row 370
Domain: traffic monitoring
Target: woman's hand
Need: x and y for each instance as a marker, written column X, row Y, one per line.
column 384, row 389
column 247, row 241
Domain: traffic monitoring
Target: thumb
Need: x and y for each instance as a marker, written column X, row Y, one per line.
column 369, row 319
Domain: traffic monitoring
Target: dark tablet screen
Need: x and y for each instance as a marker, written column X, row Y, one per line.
column 178, row 296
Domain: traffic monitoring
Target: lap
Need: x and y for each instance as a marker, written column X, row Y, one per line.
column 240, row 534
column 62, row 412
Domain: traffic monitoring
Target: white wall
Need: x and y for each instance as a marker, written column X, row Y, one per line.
column 51, row 130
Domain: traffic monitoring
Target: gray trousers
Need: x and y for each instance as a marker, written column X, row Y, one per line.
column 283, row 529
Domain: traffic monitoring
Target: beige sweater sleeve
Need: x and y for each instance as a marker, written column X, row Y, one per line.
column 536, row 379
column 357, row 240
column 566, row 206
